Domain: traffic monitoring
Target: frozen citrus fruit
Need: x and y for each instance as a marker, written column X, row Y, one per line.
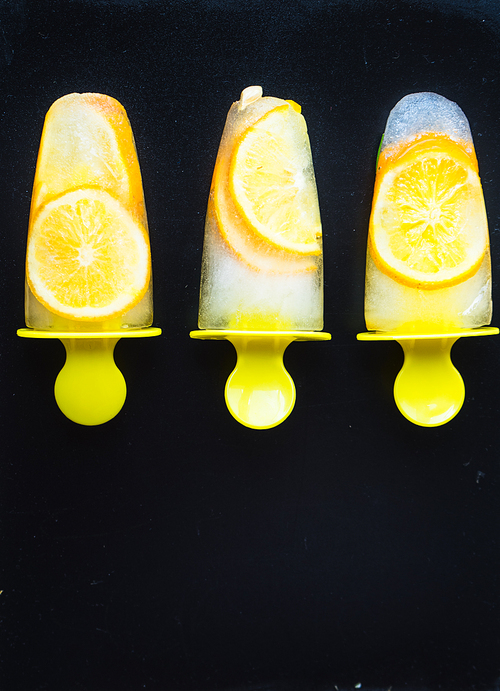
column 428, row 227
column 87, row 142
column 272, row 185
column 87, row 257
column 250, row 248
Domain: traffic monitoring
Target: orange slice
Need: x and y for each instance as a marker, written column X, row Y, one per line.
column 246, row 245
column 87, row 257
column 272, row 185
column 428, row 226
column 87, row 141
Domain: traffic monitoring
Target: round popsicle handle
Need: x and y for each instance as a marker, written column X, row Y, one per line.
column 259, row 392
column 429, row 390
column 90, row 389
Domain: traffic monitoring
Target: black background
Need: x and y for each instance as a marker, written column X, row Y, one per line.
column 173, row 549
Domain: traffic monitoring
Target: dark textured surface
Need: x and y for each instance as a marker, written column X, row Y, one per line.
column 173, row 549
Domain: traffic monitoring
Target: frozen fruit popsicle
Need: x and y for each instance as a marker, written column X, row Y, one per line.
column 262, row 270
column 428, row 274
column 428, row 259
column 88, row 263
column 262, row 259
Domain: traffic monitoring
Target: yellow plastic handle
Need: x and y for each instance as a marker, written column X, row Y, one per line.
column 259, row 392
column 429, row 390
column 90, row 389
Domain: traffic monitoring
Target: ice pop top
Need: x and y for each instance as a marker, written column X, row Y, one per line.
column 262, row 258
column 88, row 260
column 428, row 263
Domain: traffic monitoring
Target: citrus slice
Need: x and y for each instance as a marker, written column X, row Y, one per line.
column 87, row 258
column 271, row 181
column 87, row 141
column 428, row 227
column 255, row 252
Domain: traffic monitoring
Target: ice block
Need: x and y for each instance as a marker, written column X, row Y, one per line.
column 88, row 263
column 428, row 269
column 262, row 267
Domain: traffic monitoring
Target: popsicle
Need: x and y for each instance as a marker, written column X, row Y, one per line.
column 428, row 269
column 262, row 267
column 88, row 263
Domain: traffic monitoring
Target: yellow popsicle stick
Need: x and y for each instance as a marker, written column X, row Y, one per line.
column 259, row 392
column 429, row 390
column 90, row 389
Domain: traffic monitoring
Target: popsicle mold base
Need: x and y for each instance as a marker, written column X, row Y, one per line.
column 429, row 391
column 259, row 392
column 90, row 389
